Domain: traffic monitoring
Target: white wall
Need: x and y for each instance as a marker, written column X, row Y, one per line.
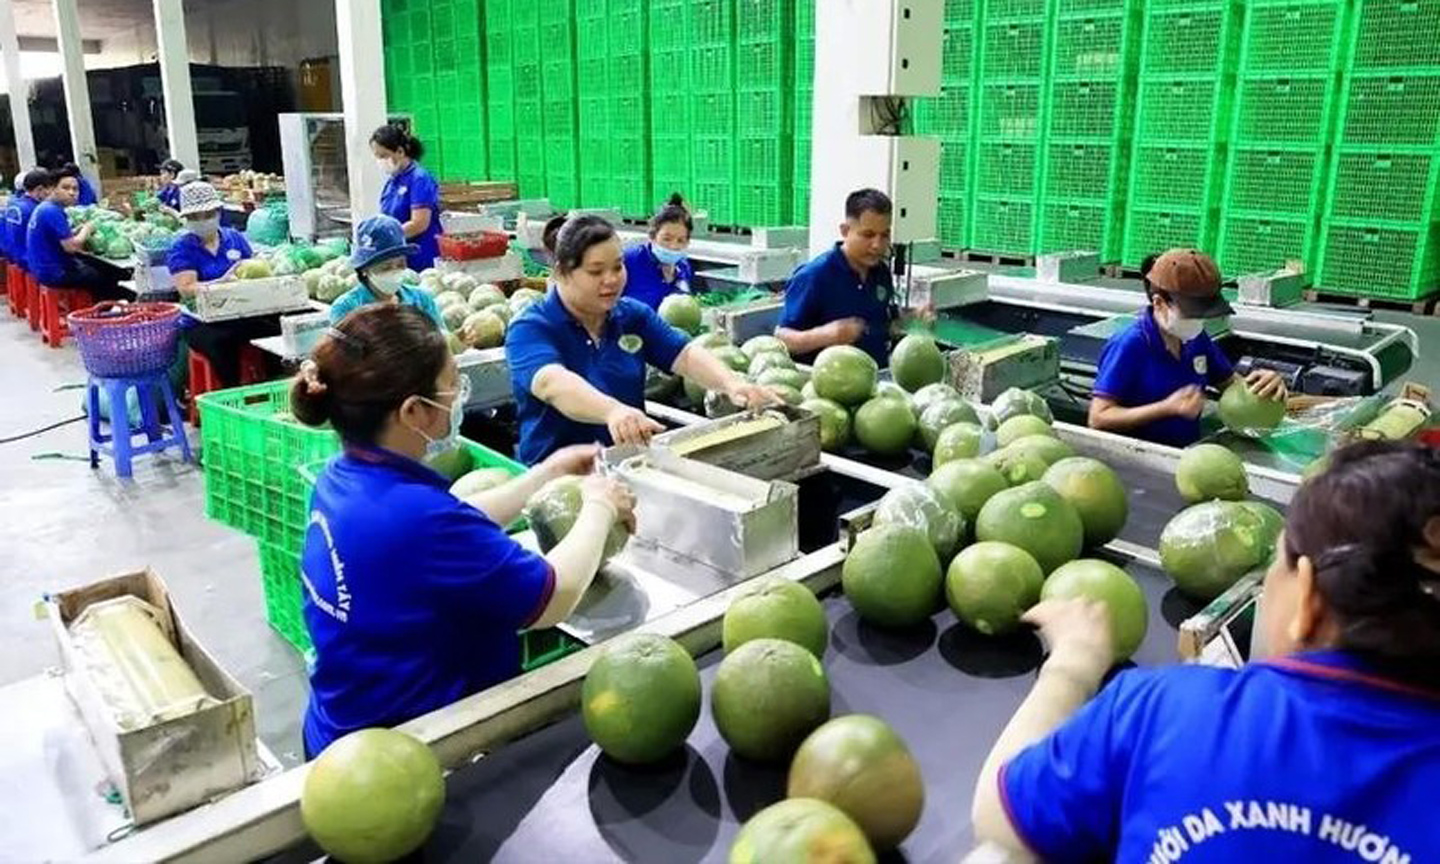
column 236, row 33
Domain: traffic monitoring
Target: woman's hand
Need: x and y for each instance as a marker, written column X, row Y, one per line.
column 1077, row 634
column 631, row 425
column 751, row 396
column 610, row 493
column 1267, row 384
column 576, row 459
column 1187, row 402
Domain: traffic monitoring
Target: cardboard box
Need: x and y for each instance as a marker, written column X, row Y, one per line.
column 250, row 298
column 172, row 765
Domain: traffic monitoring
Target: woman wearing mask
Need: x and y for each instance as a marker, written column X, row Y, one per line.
column 577, row 358
column 1325, row 750
column 169, row 192
column 206, row 252
column 379, row 262
column 411, row 196
column 433, row 591
column 1152, row 375
column 659, row 268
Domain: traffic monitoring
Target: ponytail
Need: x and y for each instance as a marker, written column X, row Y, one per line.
column 674, row 212
column 394, row 138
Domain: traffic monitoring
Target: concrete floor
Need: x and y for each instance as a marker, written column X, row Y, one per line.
column 65, row 525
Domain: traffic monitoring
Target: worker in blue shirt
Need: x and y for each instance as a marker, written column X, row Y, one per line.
column 1152, row 375
column 577, row 358
column 207, row 252
column 846, row 296
column 379, row 262
column 659, row 268
column 410, row 195
column 1326, row 749
column 85, row 195
column 37, row 184
column 169, row 192
column 414, row 597
column 53, row 252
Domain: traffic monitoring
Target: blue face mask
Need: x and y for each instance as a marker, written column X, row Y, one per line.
column 667, row 256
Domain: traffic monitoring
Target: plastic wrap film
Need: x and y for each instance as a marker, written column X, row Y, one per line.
column 1207, row 547
column 919, row 506
column 135, row 666
column 1309, row 433
column 1014, row 402
column 552, row 512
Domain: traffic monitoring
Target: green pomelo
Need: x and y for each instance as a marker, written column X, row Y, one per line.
column 920, row 506
column 641, row 698
column 552, row 512
column 808, row 391
column 714, row 339
column 660, row 385
column 1034, row 517
column 485, row 296
column 1014, row 402
column 452, row 464
column 767, row 360
column 891, row 390
column 372, row 796
column 1209, row 546
column 1273, row 522
column 940, row 416
column 479, row 480
column 1018, row 466
column 844, row 374
column 834, row 422
column 859, row 764
column 932, row 393
column 990, row 585
column 801, row 831
column 682, row 312
column 483, row 330
column 916, row 362
column 1096, row 493
column 732, row 357
column 776, row 375
column 1047, row 447
column 1207, row 472
column 1103, row 582
column 885, row 426
column 892, row 576
column 767, row 696
column 957, row 441
column 763, row 344
column 1243, row 412
column 776, row 608
column 789, row 395
column 1020, row 426
column 966, row 484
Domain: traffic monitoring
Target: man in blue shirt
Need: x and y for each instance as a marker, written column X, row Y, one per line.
column 846, row 296
column 85, row 194
column 53, row 251
column 37, row 185
column 1152, row 376
column 169, row 192
column 379, row 262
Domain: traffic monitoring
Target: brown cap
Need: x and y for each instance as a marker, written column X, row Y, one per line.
column 1191, row 278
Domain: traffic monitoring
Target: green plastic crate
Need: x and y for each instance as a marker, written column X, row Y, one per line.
column 1287, row 37
column 759, row 205
column 1003, row 226
column 958, row 13
column 1086, row 109
column 627, row 75
column 542, row 647
column 1263, row 244
column 1066, row 8
column 1186, row 40
column 957, row 55
column 1078, row 170
column 1149, row 231
column 1013, row 49
column 1283, row 110
column 1090, row 48
column 1010, row 109
column 284, row 594
column 713, row 157
column 762, row 65
column 1174, row 176
column 763, row 20
column 995, row 9
column 717, row 198
column 712, row 68
column 712, row 22
column 714, row 113
column 763, row 160
column 669, row 71
column 761, row 111
column 946, row 116
column 1274, row 180
column 1389, row 261
column 1400, row 109
column 1067, row 226
column 1393, row 34
column 955, row 180
column 953, row 219
column 669, row 26
column 1181, row 110
column 1006, row 169
column 1369, row 185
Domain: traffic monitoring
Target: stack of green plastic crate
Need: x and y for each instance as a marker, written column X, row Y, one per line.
column 459, row 87
column 592, row 92
column 804, row 106
column 1381, row 234
column 629, row 83
column 500, row 87
column 1091, row 92
column 948, row 118
column 557, row 40
column 1291, row 56
column 711, row 29
column 1011, row 110
column 529, row 98
column 671, row 105
column 764, row 118
column 1187, row 78
column 422, row 107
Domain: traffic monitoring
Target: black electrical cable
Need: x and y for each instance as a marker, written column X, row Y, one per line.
column 41, row 431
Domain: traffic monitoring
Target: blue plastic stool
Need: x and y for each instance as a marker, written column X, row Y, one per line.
column 121, row 447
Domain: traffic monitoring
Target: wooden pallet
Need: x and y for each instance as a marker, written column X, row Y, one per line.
column 736, row 230
column 1424, row 306
column 975, row 256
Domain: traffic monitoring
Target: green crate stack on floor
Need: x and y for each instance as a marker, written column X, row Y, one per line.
column 592, row 96
column 1381, row 230
column 1094, row 60
column 562, row 166
column 1291, row 57
column 629, row 108
column 459, row 88
column 711, row 31
column 671, row 106
column 1188, row 56
column 764, row 113
column 804, row 107
column 423, row 109
column 528, row 56
column 1011, row 109
column 395, row 38
column 500, row 89
column 949, row 119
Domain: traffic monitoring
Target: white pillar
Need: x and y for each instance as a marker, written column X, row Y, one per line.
column 77, row 90
column 174, row 57
column 362, row 97
column 19, row 89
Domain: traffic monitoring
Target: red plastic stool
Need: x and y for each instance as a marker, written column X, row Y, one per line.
column 32, row 300
column 15, row 296
column 203, row 379
column 55, row 304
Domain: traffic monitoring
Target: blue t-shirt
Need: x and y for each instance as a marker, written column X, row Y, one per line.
column 1137, row 369
column 189, row 253
column 1298, row 759
column 87, row 194
column 413, row 598
column 411, row 188
column 17, row 224
column 644, row 280
column 169, row 195
column 45, row 257
column 546, row 333
column 826, row 289
column 360, row 296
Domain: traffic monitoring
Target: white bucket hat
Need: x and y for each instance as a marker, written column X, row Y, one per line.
column 199, row 198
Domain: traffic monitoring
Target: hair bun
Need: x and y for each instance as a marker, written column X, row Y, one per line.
column 676, row 200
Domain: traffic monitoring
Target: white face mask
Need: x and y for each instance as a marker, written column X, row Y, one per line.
column 387, row 166
column 206, row 228
column 435, row 446
column 386, row 284
column 1183, row 328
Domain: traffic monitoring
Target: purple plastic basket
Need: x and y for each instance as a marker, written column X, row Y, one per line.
column 117, row 340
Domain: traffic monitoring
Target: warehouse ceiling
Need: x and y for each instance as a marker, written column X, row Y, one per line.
column 99, row 19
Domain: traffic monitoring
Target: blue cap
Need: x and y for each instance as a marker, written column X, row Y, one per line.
column 379, row 238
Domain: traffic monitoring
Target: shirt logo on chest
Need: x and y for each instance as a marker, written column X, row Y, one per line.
column 233, row 254
column 631, row 343
column 1200, row 364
